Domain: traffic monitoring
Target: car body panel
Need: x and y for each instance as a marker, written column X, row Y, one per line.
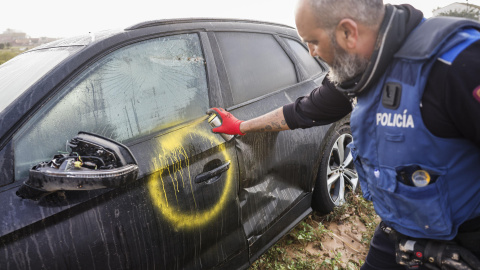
column 137, row 226
column 269, row 191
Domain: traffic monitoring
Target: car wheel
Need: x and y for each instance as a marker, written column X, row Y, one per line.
column 337, row 175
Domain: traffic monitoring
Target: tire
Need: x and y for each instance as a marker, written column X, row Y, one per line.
column 336, row 176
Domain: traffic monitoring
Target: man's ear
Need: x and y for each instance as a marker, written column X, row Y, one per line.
column 347, row 34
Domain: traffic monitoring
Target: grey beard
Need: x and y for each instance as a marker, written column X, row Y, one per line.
column 345, row 66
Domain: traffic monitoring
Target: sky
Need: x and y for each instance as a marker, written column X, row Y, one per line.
column 60, row 18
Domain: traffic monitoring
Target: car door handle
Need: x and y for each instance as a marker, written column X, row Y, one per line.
column 213, row 175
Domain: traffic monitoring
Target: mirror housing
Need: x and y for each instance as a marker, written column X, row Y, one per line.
column 95, row 162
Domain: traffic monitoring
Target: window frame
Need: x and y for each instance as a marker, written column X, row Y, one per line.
column 292, row 54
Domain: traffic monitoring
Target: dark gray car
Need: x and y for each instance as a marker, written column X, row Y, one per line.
column 108, row 161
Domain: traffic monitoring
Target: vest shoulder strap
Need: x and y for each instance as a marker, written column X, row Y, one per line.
column 429, row 37
column 472, row 36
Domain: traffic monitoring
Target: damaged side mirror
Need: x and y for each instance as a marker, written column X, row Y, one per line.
column 94, row 162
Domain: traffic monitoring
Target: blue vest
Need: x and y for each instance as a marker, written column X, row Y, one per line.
column 391, row 141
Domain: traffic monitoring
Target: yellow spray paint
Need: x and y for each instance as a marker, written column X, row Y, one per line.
column 173, row 153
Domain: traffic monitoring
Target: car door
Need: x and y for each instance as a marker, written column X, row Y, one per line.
column 181, row 212
column 263, row 72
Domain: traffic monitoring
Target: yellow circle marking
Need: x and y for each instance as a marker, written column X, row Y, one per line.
column 172, row 146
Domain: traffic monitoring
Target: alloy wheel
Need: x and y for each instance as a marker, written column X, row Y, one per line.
column 340, row 171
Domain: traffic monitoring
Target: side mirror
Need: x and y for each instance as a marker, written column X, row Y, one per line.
column 94, row 162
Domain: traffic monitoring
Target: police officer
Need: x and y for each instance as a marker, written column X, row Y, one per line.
column 415, row 124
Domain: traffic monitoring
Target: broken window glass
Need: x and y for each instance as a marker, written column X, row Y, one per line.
column 135, row 91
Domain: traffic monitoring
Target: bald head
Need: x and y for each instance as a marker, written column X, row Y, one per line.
column 328, row 13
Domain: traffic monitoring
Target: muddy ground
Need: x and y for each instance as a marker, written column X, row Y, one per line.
column 339, row 240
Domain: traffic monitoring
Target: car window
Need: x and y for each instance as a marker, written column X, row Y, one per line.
column 255, row 63
column 134, row 91
column 311, row 65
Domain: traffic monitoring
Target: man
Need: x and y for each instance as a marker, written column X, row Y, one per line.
column 415, row 126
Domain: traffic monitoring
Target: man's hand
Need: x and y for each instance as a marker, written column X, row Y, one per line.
column 230, row 124
column 270, row 122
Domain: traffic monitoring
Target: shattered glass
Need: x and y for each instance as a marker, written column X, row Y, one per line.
column 135, row 91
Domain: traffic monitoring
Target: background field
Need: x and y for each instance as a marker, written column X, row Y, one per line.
column 7, row 54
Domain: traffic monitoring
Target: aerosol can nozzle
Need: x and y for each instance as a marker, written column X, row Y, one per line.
column 214, row 122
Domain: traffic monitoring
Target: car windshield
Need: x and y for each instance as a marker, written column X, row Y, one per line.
column 21, row 72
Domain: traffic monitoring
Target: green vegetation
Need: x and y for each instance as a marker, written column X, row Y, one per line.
column 324, row 242
column 333, row 263
column 471, row 13
column 8, row 53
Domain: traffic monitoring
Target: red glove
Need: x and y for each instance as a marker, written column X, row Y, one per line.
column 230, row 124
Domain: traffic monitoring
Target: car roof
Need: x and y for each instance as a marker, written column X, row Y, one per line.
column 211, row 24
column 198, row 20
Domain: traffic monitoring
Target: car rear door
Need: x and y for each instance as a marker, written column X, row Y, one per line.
column 262, row 71
column 182, row 212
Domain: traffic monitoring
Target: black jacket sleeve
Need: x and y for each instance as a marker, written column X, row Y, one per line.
column 324, row 105
column 449, row 106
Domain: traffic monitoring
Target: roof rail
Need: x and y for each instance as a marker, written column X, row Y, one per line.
column 195, row 20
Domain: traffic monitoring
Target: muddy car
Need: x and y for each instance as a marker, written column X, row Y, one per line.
column 108, row 161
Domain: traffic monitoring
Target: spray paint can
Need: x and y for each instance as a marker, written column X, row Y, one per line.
column 214, row 122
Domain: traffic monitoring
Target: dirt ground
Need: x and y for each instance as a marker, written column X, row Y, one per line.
column 344, row 245
column 339, row 240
